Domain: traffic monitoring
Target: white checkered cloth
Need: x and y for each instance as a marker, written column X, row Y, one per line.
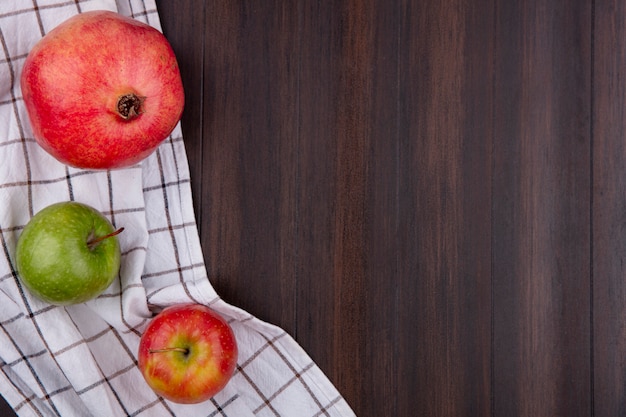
column 81, row 360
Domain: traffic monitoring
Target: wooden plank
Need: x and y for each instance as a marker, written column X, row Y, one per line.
column 250, row 142
column 347, row 197
column 444, row 224
column 609, row 206
column 541, row 191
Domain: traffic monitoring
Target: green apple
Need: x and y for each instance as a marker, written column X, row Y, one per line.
column 68, row 253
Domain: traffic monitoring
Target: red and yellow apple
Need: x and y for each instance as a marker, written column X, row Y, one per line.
column 102, row 90
column 187, row 353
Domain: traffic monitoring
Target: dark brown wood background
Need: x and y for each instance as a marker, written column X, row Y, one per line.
column 430, row 196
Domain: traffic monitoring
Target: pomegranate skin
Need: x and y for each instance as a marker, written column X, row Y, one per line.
column 74, row 77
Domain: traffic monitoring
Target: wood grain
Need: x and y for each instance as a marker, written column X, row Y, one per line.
column 608, row 210
column 421, row 172
column 444, row 173
column 541, row 216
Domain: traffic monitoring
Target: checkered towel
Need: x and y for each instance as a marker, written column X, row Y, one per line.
column 81, row 360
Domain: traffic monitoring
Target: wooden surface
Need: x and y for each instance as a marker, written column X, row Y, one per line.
column 429, row 196
column 417, row 192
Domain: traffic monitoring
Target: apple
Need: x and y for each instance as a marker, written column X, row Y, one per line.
column 102, row 90
column 68, row 253
column 187, row 353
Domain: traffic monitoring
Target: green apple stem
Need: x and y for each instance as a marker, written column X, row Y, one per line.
column 94, row 242
column 172, row 349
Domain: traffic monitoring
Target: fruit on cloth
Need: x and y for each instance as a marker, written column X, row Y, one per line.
column 68, row 253
column 102, row 90
column 188, row 353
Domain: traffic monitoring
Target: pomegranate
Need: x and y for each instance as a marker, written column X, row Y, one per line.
column 102, row 90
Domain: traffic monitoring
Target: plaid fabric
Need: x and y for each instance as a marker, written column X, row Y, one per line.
column 81, row 360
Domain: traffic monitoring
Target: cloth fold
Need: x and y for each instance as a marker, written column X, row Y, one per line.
column 81, row 360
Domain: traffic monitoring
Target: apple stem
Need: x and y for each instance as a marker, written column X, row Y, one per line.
column 129, row 106
column 172, row 349
column 93, row 242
